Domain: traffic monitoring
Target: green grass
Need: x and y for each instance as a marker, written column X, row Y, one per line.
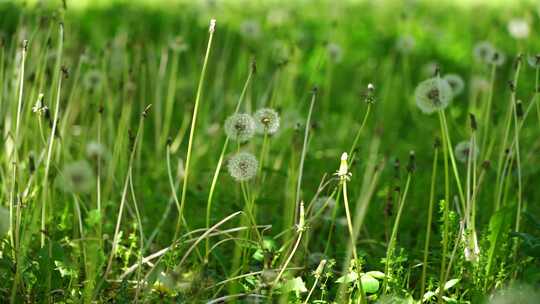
column 115, row 181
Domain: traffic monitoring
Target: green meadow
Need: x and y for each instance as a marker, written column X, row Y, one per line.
column 269, row 151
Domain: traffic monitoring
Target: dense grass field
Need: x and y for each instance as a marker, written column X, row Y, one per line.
column 270, row 152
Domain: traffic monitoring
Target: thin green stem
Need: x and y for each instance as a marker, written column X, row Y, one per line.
column 194, row 125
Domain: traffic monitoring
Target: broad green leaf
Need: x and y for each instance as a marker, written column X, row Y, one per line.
column 449, row 284
column 369, row 284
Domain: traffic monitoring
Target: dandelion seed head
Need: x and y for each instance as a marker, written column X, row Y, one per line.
column 497, row 58
column 534, row 60
column 335, row 53
column 463, row 149
column 243, row 166
column 519, row 28
column 266, row 121
column 78, row 177
column 240, row 127
column 483, row 51
column 433, row 94
column 456, row 83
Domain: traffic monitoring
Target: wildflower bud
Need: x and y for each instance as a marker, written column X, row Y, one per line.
column 315, row 90
column 474, row 126
column 411, row 167
column 519, row 109
column 212, row 27
column 169, row 141
column 369, row 95
column 25, row 45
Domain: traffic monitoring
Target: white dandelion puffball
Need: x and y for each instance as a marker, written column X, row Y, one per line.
column 78, row 177
column 335, row 53
column 456, row 83
column 433, row 94
column 463, row 149
column 519, row 28
column 4, row 221
column 266, row 121
column 240, row 127
column 497, row 58
column 534, row 60
column 243, row 166
column 483, row 51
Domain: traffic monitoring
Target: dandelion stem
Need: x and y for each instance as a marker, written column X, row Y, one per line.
column 193, row 126
column 429, row 219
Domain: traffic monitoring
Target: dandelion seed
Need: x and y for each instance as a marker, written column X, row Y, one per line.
column 240, row 127
column 405, row 44
column 266, row 121
column 243, row 166
column 534, row 60
column 456, row 83
column 483, row 51
column 335, row 53
column 519, row 28
column 463, row 149
column 250, row 29
column 4, row 221
column 78, row 177
column 433, row 94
